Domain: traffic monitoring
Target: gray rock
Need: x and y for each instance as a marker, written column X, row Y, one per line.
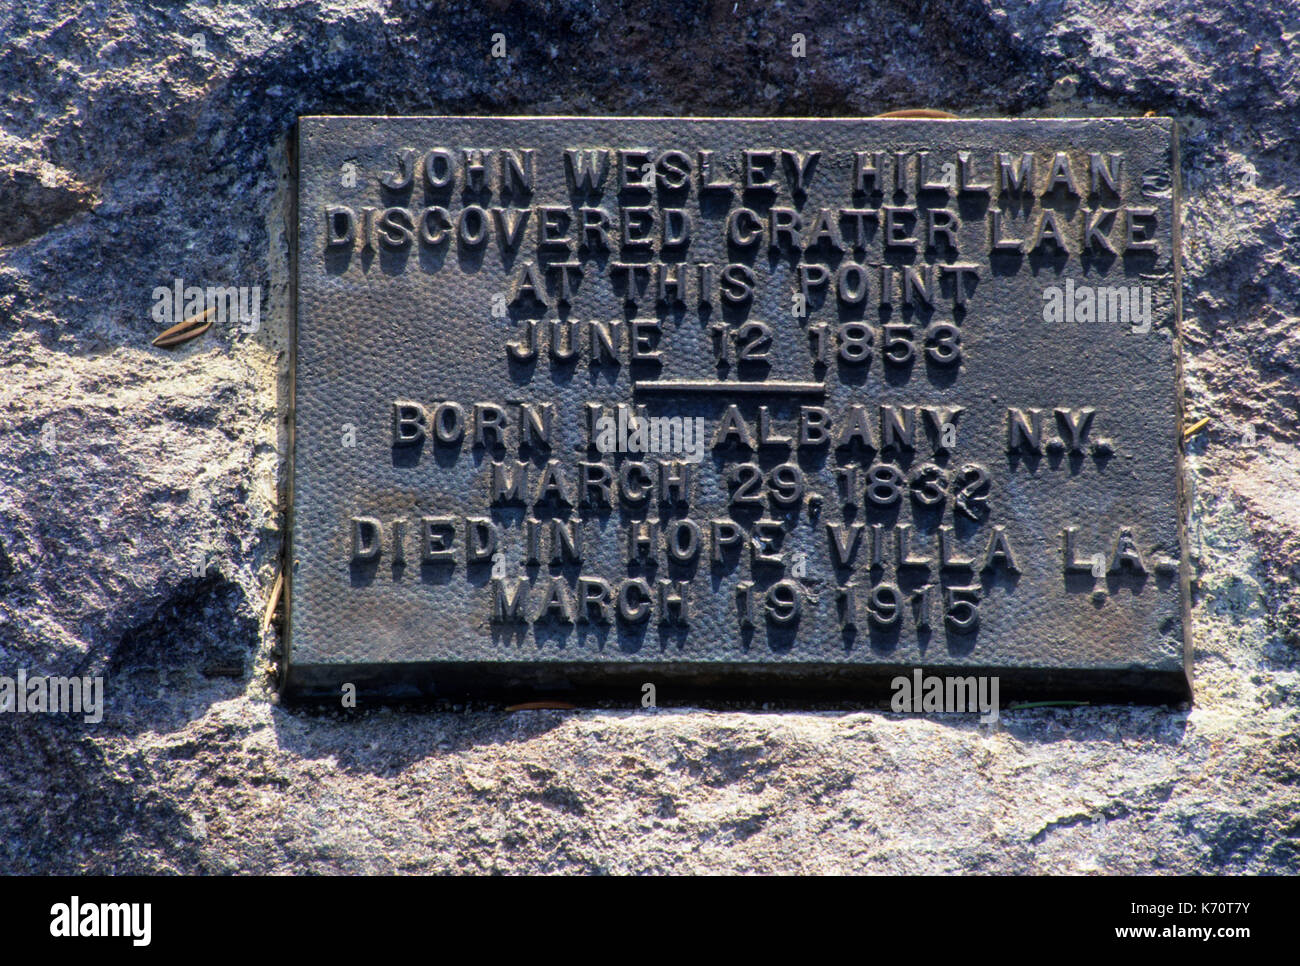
column 139, row 487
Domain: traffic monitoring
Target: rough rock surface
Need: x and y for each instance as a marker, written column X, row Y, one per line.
column 140, row 142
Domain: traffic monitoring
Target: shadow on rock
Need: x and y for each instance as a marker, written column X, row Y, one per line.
column 387, row 740
column 66, row 808
column 192, row 651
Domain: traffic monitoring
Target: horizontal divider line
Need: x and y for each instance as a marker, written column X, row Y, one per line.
column 710, row 385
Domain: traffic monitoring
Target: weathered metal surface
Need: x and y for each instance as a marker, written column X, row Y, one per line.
column 937, row 384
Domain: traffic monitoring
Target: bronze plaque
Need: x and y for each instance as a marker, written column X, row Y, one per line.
column 741, row 406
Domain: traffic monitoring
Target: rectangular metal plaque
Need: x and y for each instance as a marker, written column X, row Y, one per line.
column 736, row 405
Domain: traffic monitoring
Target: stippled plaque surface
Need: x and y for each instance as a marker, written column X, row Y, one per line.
column 757, row 406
